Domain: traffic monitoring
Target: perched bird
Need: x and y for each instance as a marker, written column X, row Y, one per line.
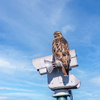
column 60, row 49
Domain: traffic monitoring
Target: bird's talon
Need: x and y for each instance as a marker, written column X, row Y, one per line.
column 53, row 64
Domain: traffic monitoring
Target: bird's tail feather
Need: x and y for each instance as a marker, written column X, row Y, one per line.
column 65, row 70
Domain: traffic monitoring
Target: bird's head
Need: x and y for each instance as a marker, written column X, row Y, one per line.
column 57, row 34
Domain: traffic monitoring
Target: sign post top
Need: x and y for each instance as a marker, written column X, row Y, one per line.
column 57, row 82
column 39, row 63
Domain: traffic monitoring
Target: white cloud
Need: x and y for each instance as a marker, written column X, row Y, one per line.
column 7, row 88
column 15, row 59
column 67, row 28
column 3, row 97
column 14, row 98
column 4, row 63
column 96, row 80
column 54, row 11
column 24, row 94
column 81, row 72
column 86, row 93
column 11, row 66
column 41, row 85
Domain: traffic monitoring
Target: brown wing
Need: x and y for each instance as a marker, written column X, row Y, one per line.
column 65, row 51
column 57, row 49
column 60, row 49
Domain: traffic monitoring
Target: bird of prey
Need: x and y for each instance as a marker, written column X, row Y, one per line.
column 60, row 49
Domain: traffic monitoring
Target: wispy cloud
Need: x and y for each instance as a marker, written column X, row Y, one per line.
column 8, row 59
column 4, row 63
column 14, row 98
column 4, row 97
column 55, row 11
column 96, row 80
column 24, row 94
column 67, row 28
column 36, row 84
column 15, row 89
column 80, row 72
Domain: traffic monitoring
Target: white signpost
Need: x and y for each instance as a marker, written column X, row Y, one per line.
column 60, row 84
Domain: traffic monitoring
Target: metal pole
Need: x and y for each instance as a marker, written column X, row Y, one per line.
column 62, row 98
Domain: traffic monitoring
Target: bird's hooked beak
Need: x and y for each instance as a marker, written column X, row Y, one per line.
column 55, row 36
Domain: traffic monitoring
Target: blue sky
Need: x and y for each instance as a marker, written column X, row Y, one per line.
column 26, row 33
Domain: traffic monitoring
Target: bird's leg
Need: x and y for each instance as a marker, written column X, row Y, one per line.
column 53, row 64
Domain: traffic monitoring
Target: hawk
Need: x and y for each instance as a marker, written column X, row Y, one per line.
column 60, row 49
